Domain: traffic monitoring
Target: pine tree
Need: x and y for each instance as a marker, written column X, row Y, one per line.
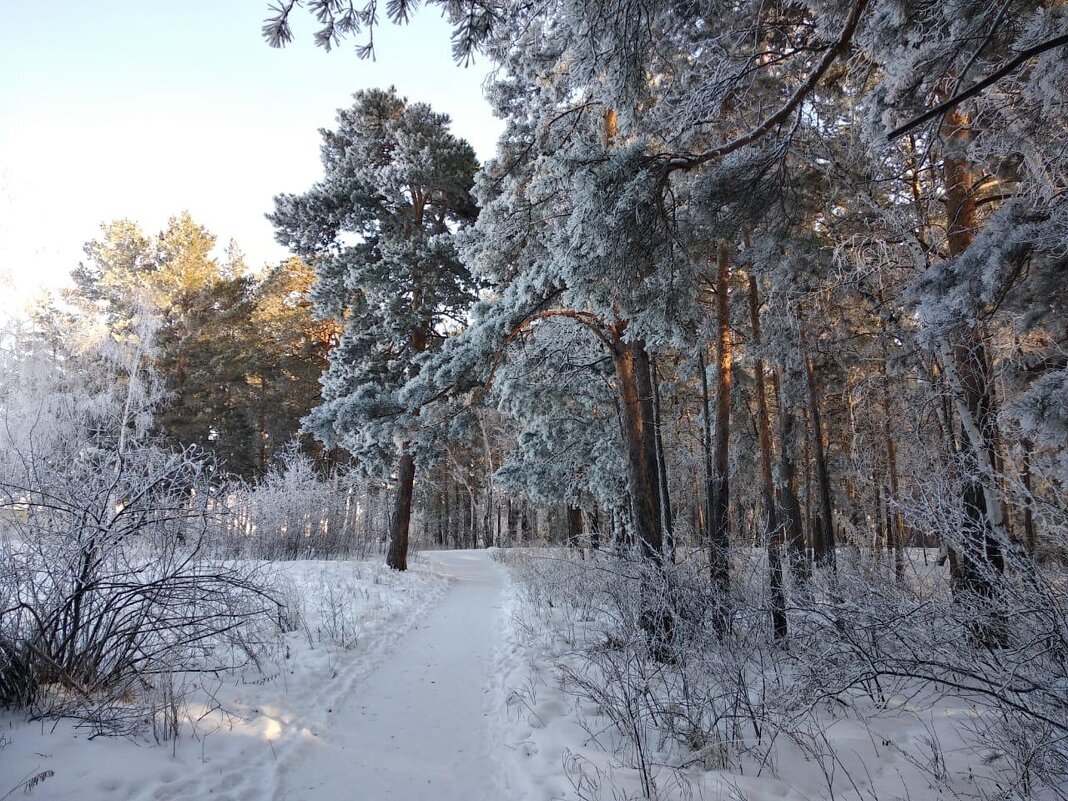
column 284, row 354
column 239, row 357
column 379, row 230
column 203, row 313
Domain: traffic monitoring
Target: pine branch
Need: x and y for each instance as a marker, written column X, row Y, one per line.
column 992, row 78
column 849, row 28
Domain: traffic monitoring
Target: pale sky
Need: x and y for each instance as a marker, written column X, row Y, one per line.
column 143, row 108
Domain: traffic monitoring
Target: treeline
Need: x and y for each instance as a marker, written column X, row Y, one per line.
column 238, row 353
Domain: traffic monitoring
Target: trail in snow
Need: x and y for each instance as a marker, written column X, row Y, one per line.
column 418, row 727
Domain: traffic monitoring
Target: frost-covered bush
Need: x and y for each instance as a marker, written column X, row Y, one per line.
column 295, row 512
column 106, row 585
column 105, row 581
column 1005, row 657
column 866, row 653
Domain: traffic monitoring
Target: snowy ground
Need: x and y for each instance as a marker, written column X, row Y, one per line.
column 262, row 734
column 559, row 747
column 437, row 685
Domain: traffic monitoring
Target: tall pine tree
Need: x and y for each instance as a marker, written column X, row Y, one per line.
column 379, row 231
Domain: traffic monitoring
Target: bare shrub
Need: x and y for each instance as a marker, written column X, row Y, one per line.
column 105, row 583
column 295, row 512
column 862, row 646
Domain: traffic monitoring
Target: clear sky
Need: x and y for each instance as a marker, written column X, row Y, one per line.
column 143, row 108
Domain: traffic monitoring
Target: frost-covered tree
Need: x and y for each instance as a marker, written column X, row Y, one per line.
column 982, row 96
column 556, row 383
column 379, row 231
column 926, row 269
column 239, row 355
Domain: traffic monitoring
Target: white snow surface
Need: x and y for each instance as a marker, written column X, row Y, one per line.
column 386, row 692
column 430, row 685
column 417, row 727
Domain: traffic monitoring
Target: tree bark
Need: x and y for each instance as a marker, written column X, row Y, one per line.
column 773, row 532
column 488, row 533
column 636, row 393
column 442, row 513
column 512, row 524
column 661, row 467
column 574, row 526
column 718, row 491
column 1029, row 515
column 631, row 361
column 788, row 502
column 470, row 534
column 966, row 362
column 823, row 547
column 896, row 520
column 525, row 533
column 397, row 557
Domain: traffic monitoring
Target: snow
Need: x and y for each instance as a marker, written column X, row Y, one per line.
column 245, row 736
column 419, row 726
column 561, row 746
column 446, row 683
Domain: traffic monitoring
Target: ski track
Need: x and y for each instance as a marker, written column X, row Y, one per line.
column 412, row 722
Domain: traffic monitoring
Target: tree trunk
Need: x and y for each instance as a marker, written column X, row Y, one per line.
column 878, row 539
column 718, row 491
column 966, row 362
column 898, row 529
column 632, row 369
column 895, row 521
column 261, row 449
column 512, row 524
column 442, row 512
column 469, row 533
column 1029, row 515
column 661, row 468
column 524, row 524
column 636, row 393
column 488, row 518
column 574, row 526
column 788, row 501
column 824, row 542
column 450, row 506
column 773, row 533
column 397, row 558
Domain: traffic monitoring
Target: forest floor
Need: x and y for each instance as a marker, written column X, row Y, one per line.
column 438, row 684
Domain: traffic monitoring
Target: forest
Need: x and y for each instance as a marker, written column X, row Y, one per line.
column 743, row 362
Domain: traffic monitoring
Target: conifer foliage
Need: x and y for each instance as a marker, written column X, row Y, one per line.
column 239, row 355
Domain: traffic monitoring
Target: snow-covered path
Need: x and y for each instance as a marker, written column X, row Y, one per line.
column 417, row 728
column 413, row 710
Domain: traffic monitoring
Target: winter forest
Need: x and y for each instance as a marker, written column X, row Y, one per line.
column 708, row 441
